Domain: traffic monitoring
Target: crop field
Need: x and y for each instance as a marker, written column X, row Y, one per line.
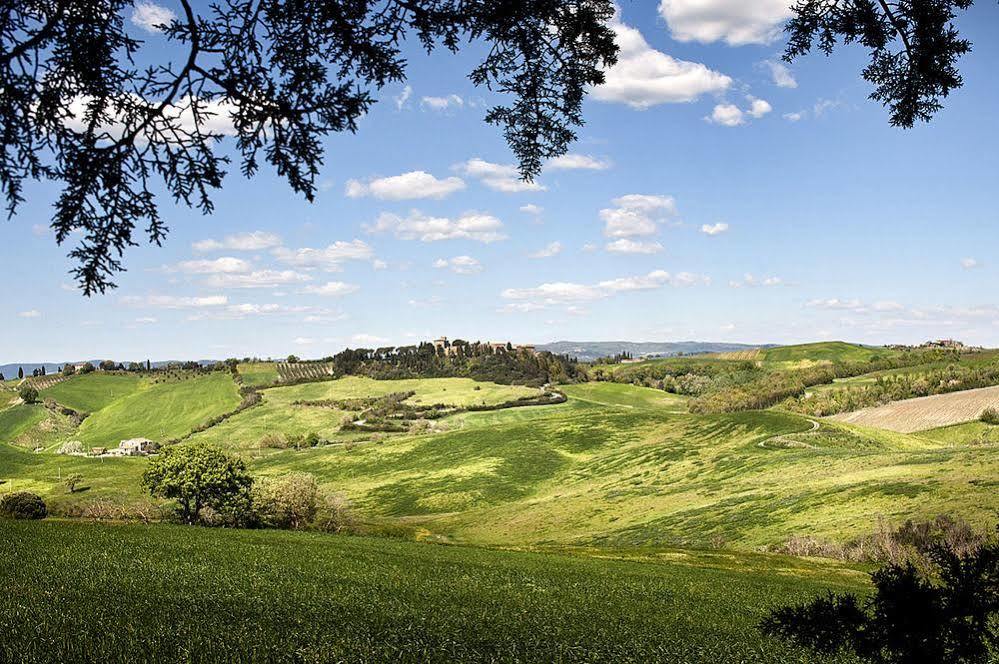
column 751, row 354
column 923, row 413
column 91, row 392
column 82, row 592
column 291, row 371
column 803, row 355
column 258, row 374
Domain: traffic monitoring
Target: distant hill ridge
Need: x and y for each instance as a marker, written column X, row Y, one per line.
column 10, row 370
column 591, row 350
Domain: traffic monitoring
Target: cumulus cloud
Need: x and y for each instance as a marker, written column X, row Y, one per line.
column 332, row 289
column 330, row 258
column 532, row 209
column 781, row 75
column 30, row 313
column 254, row 241
column 637, row 214
column 257, row 279
column 560, row 293
column 644, row 77
column 626, row 246
column 837, row 304
column 736, row 22
column 175, row 301
column 223, row 265
column 445, row 103
column 569, row 162
column 459, row 264
column 750, row 281
column 499, row 177
column 368, row 340
column 795, row 116
column 969, row 263
column 148, row 16
column 408, row 186
column 476, row 226
column 730, row 115
column 403, row 97
column 714, row 229
column 553, row 249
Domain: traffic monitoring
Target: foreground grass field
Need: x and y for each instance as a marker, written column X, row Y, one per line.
column 79, row 592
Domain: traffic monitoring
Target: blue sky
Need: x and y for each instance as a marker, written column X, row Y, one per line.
column 709, row 197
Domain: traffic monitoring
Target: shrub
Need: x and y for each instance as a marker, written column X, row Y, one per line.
column 23, row 505
column 290, row 501
column 71, row 447
column 28, row 394
column 990, row 416
column 273, row 441
column 335, row 513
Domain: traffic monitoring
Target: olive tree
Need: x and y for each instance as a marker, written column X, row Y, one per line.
column 199, row 476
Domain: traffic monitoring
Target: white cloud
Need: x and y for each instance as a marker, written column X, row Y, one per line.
column 378, row 264
column 175, row 302
column 223, row 265
column 499, row 177
column 415, row 184
column 571, row 161
column 145, row 320
column 758, row 107
column 476, row 226
column 795, row 117
column 837, row 304
column 257, row 279
column 332, row 289
column 403, row 97
column 737, row 22
column 969, row 263
column 714, row 229
column 559, row 293
column 750, row 281
column 254, row 241
column 636, row 214
column 728, row 115
column 553, row 249
column 303, row 341
column 781, row 75
column 626, row 246
column 368, row 340
column 330, row 258
column 31, row 313
column 148, row 15
column 644, row 77
column 532, row 209
column 459, row 264
column 442, row 103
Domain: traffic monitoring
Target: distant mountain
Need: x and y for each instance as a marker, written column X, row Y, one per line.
column 10, row 370
column 591, row 350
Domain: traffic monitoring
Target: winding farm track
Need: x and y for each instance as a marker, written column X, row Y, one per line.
column 911, row 415
column 790, row 439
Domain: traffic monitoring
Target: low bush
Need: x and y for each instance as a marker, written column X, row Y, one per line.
column 28, row 394
column 71, row 447
column 990, row 416
column 23, row 505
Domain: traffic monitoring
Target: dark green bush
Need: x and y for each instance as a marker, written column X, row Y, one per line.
column 23, row 505
column 990, row 416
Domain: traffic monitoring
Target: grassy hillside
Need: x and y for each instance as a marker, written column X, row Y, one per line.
column 258, row 374
column 617, row 465
column 129, row 593
column 89, row 393
column 16, row 420
column 823, row 351
column 161, row 411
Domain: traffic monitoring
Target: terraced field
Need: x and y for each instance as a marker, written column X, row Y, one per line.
column 924, row 413
column 258, row 374
column 89, row 393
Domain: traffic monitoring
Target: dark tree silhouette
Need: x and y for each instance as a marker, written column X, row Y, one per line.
column 76, row 110
column 946, row 615
column 914, row 47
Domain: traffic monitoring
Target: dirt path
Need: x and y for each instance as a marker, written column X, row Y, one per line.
column 786, row 440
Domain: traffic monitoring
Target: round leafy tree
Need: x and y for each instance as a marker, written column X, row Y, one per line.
column 28, row 394
column 199, row 476
column 23, row 505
